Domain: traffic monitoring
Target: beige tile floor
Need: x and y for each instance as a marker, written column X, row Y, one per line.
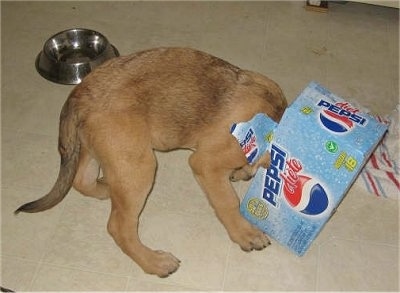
column 353, row 50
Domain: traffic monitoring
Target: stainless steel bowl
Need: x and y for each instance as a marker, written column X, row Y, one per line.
column 68, row 56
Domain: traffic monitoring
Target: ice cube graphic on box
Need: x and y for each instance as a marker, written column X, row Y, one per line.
column 317, row 150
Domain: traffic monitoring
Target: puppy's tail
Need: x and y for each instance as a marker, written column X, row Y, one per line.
column 69, row 148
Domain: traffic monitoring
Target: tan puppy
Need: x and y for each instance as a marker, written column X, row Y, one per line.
column 160, row 99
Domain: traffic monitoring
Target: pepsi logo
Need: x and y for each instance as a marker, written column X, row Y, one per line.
column 249, row 145
column 335, row 122
column 340, row 117
column 308, row 197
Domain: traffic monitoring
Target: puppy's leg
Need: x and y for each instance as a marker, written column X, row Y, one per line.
column 129, row 166
column 212, row 166
column 86, row 179
column 130, row 182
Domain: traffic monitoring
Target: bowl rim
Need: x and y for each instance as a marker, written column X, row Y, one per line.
column 107, row 43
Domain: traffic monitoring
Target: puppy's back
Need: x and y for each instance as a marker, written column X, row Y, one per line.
column 179, row 90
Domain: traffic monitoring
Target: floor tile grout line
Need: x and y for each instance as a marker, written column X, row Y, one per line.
column 360, row 240
column 227, row 261
column 80, row 269
column 17, row 257
column 164, row 281
column 42, row 257
column 35, row 274
column 42, row 263
column 317, row 270
column 33, row 262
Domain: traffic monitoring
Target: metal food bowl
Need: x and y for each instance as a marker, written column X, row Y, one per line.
column 68, row 56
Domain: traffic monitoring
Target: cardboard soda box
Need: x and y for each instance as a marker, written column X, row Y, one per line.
column 317, row 151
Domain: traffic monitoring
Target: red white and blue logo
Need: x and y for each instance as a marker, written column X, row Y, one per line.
column 249, row 145
column 303, row 193
column 308, row 196
column 340, row 117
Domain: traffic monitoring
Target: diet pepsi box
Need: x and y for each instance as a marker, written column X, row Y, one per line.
column 254, row 136
column 317, row 151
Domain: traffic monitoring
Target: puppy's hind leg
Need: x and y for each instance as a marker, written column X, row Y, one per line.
column 129, row 166
column 130, row 181
column 87, row 180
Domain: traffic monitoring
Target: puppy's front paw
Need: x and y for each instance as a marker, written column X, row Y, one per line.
column 249, row 237
column 240, row 174
column 161, row 263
